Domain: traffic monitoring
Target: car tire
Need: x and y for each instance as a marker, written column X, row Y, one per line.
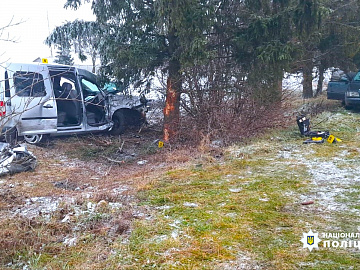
column 347, row 106
column 36, row 139
column 119, row 120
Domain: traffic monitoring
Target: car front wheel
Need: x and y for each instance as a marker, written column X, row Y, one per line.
column 119, row 121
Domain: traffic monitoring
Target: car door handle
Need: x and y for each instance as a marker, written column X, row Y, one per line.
column 48, row 106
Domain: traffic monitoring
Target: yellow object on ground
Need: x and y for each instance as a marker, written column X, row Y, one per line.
column 333, row 139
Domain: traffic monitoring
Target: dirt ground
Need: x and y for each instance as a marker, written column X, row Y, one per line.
column 78, row 175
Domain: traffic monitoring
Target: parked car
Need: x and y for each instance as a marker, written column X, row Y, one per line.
column 338, row 84
column 37, row 100
column 352, row 94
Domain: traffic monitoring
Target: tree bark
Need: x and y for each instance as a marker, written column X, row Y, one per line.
column 321, row 80
column 173, row 91
column 93, row 59
column 307, row 83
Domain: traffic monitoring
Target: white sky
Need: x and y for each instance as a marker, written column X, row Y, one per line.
column 31, row 34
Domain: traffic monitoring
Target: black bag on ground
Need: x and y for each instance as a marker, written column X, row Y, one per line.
column 304, row 124
column 305, row 128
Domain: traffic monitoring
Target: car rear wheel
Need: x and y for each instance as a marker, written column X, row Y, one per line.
column 35, row 139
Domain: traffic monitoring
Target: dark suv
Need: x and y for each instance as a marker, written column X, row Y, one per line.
column 352, row 94
column 338, row 84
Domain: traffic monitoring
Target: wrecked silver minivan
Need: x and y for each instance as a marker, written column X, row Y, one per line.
column 38, row 100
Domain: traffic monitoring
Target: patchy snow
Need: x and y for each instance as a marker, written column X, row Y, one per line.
column 329, row 180
column 70, row 242
column 46, row 206
column 66, row 219
column 120, row 190
column 40, row 206
column 189, row 204
column 163, row 207
column 235, row 190
column 243, row 261
column 175, row 224
column 174, row 234
column 160, row 238
column 232, row 215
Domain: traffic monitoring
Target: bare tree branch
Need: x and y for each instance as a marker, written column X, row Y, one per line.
column 4, row 28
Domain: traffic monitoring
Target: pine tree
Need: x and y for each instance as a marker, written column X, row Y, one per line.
column 261, row 38
column 64, row 56
column 141, row 37
column 83, row 36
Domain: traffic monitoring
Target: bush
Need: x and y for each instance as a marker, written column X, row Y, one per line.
column 222, row 103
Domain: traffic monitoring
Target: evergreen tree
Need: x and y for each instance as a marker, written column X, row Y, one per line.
column 64, row 56
column 141, row 37
column 339, row 38
column 83, row 36
column 268, row 39
column 334, row 44
column 256, row 40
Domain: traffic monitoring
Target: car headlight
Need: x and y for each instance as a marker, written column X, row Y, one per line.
column 352, row 94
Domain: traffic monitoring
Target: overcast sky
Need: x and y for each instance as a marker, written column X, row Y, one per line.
column 30, row 34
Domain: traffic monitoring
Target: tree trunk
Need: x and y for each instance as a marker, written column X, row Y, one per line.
column 173, row 91
column 320, row 81
column 307, row 83
column 93, row 59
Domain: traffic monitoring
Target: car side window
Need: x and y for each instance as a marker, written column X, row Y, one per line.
column 29, row 84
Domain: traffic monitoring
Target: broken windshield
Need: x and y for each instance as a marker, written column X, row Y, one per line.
column 89, row 88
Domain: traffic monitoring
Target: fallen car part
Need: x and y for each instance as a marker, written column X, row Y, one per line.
column 314, row 140
column 15, row 159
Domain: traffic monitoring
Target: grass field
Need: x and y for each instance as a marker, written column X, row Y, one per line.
column 186, row 210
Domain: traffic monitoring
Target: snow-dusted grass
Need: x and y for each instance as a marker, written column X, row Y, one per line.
column 242, row 211
column 248, row 212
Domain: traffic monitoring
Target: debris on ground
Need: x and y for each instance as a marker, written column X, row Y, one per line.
column 307, row 203
column 15, row 159
column 315, row 136
column 142, row 162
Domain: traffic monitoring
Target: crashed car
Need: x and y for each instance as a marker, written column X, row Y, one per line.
column 38, row 100
column 352, row 94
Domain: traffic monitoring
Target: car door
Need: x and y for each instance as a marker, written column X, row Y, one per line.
column 32, row 103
